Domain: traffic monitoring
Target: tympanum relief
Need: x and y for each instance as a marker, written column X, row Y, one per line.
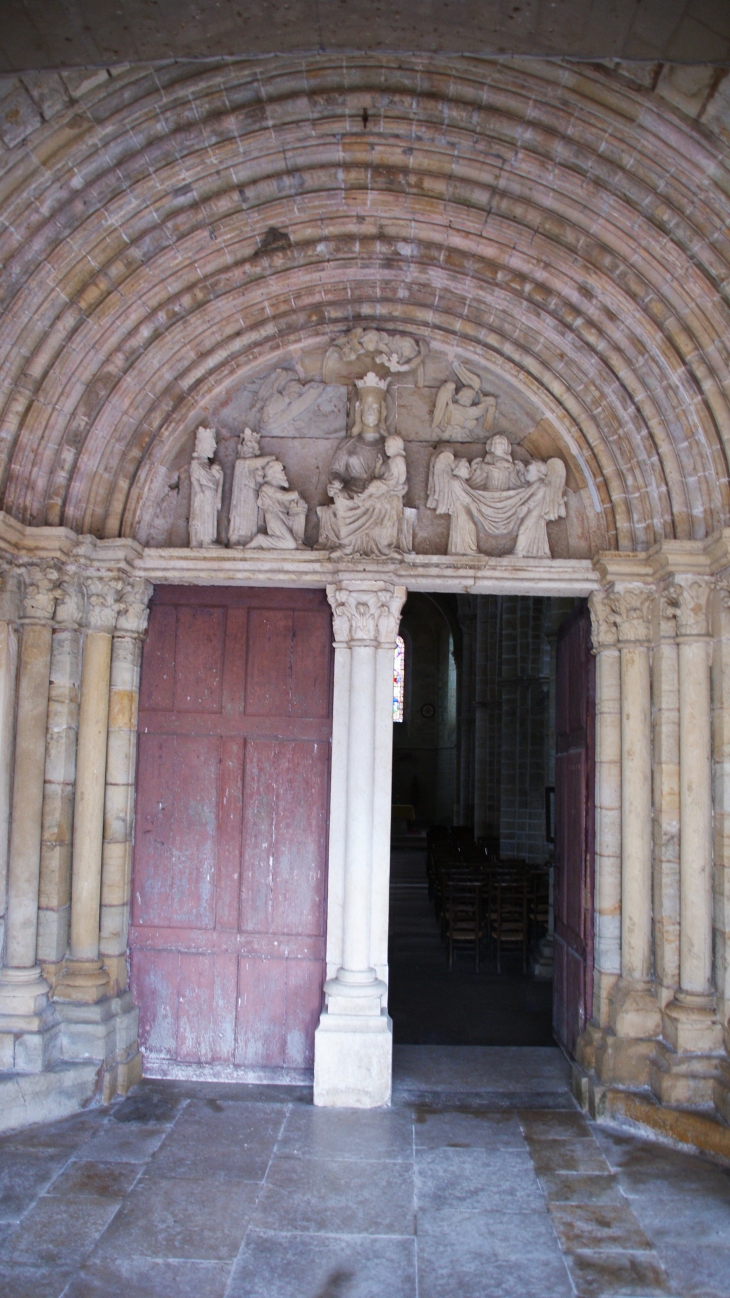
column 377, row 446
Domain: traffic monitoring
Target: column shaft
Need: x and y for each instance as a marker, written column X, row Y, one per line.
column 695, row 785
column 635, row 813
column 8, row 676
column 89, row 801
column 608, row 829
column 30, row 760
column 359, row 831
column 116, row 861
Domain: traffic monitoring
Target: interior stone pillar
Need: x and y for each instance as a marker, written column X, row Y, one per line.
column 54, row 893
column 467, row 621
column 84, row 979
column 353, row 1042
column 682, row 1074
column 481, row 715
column 121, row 757
column 26, row 1017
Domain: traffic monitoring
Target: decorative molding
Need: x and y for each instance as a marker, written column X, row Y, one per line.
column 363, row 614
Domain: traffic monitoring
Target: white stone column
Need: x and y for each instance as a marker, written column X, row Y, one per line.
column 121, row 757
column 25, row 1013
column 607, row 898
column 353, row 1042
column 84, row 978
column 634, row 1012
column 691, row 1025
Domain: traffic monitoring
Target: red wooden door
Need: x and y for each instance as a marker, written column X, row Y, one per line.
column 574, row 828
column 229, row 875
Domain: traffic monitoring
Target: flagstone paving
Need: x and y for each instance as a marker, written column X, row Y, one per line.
column 209, row 1191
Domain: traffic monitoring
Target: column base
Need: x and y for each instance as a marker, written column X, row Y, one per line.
column 84, row 981
column 29, row 1030
column 104, row 1032
column 633, row 1010
column 353, row 1059
column 686, row 1065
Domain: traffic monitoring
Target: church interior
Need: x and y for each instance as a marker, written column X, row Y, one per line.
column 365, row 649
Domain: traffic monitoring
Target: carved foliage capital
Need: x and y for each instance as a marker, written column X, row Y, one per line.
column 687, row 601
column 71, row 604
column 11, row 591
column 366, row 615
column 41, row 589
column 604, row 619
column 632, row 607
column 102, row 601
column 134, row 610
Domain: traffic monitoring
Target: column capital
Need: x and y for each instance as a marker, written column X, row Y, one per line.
column 41, row 588
column 71, row 603
column 103, row 600
column 11, row 591
column 366, row 611
column 134, row 610
column 685, row 600
column 604, row 620
column 632, row 608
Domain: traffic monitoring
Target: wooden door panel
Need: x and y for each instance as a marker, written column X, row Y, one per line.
column 227, row 942
column 176, row 831
column 199, row 647
column 574, row 796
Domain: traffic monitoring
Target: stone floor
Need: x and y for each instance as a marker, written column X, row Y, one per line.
column 199, row 1191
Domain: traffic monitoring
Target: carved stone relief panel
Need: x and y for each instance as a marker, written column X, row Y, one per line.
column 378, row 444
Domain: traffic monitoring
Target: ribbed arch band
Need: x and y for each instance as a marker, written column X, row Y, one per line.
column 550, row 223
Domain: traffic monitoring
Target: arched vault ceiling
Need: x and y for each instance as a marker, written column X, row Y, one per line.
column 568, row 231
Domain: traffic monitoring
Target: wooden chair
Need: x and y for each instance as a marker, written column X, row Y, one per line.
column 509, row 916
column 464, row 917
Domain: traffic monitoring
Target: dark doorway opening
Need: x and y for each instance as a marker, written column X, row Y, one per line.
column 471, row 945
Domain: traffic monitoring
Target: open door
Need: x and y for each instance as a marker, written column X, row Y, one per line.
column 574, row 827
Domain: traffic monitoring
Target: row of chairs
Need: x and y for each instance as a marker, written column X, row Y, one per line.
column 480, row 897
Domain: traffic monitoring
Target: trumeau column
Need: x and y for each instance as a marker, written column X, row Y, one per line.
column 691, row 1028
column 25, row 1014
column 116, row 862
column 83, row 978
column 353, row 1042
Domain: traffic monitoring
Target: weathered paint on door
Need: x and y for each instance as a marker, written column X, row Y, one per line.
column 229, row 876
column 574, row 828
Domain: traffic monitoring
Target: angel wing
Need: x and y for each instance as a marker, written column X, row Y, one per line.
column 443, row 405
column 466, row 376
column 440, row 482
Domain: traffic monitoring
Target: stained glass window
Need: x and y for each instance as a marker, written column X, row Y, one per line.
column 399, row 677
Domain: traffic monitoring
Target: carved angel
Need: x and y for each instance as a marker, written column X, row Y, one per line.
column 457, row 414
column 399, row 353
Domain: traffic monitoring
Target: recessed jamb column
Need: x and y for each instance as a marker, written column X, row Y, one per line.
column 634, row 1011
column 23, row 990
column 83, row 978
column 353, row 1042
column 607, row 902
column 690, row 1020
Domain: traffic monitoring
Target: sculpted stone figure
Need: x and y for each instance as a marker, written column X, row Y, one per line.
column 500, row 494
column 399, row 353
column 457, row 415
column 206, row 490
column 367, row 482
column 284, row 512
column 248, row 475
